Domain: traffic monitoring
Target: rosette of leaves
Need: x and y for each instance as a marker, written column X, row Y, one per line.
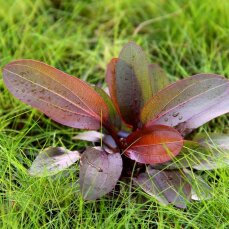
column 140, row 124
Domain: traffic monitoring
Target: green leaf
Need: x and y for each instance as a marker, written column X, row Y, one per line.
column 191, row 154
column 218, row 147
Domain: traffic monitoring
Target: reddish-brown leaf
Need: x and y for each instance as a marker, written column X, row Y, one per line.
column 64, row 98
column 154, row 145
column 111, row 81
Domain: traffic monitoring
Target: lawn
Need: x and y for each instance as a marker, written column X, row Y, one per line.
column 80, row 38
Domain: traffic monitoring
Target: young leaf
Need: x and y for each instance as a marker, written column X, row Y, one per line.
column 187, row 99
column 153, row 145
column 147, row 183
column 158, row 78
column 91, row 136
column 65, row 99
column 114, row 117
column 111, row 81
column 52, row 160
column 99, row 172
column 132, row 84
column 109, row 141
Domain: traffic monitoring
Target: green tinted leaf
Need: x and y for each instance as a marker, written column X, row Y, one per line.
column 191, row 154
column 111, row 81
column 218, row 147
column 200, row 189
column 133, row 86
column 158, row 78
column 114, row 117
column 53, row 160
column 206, row 153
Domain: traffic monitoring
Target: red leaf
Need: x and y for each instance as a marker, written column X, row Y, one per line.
column 153, row 145
column 66, row 99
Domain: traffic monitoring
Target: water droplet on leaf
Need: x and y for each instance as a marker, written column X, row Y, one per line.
column 180, row 117
column 175, row 114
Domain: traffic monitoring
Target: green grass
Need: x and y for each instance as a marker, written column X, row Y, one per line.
column 80, row 37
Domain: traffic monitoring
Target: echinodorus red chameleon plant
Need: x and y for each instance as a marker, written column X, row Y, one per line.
column 142, row 123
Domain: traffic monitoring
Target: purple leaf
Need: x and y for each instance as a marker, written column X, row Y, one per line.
column 219, row 108
column 188, row 100
column 173, row 185
column 66, row 99
column 147, row 183
column 99, row 172
column 166, row 186
column 53, row 160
